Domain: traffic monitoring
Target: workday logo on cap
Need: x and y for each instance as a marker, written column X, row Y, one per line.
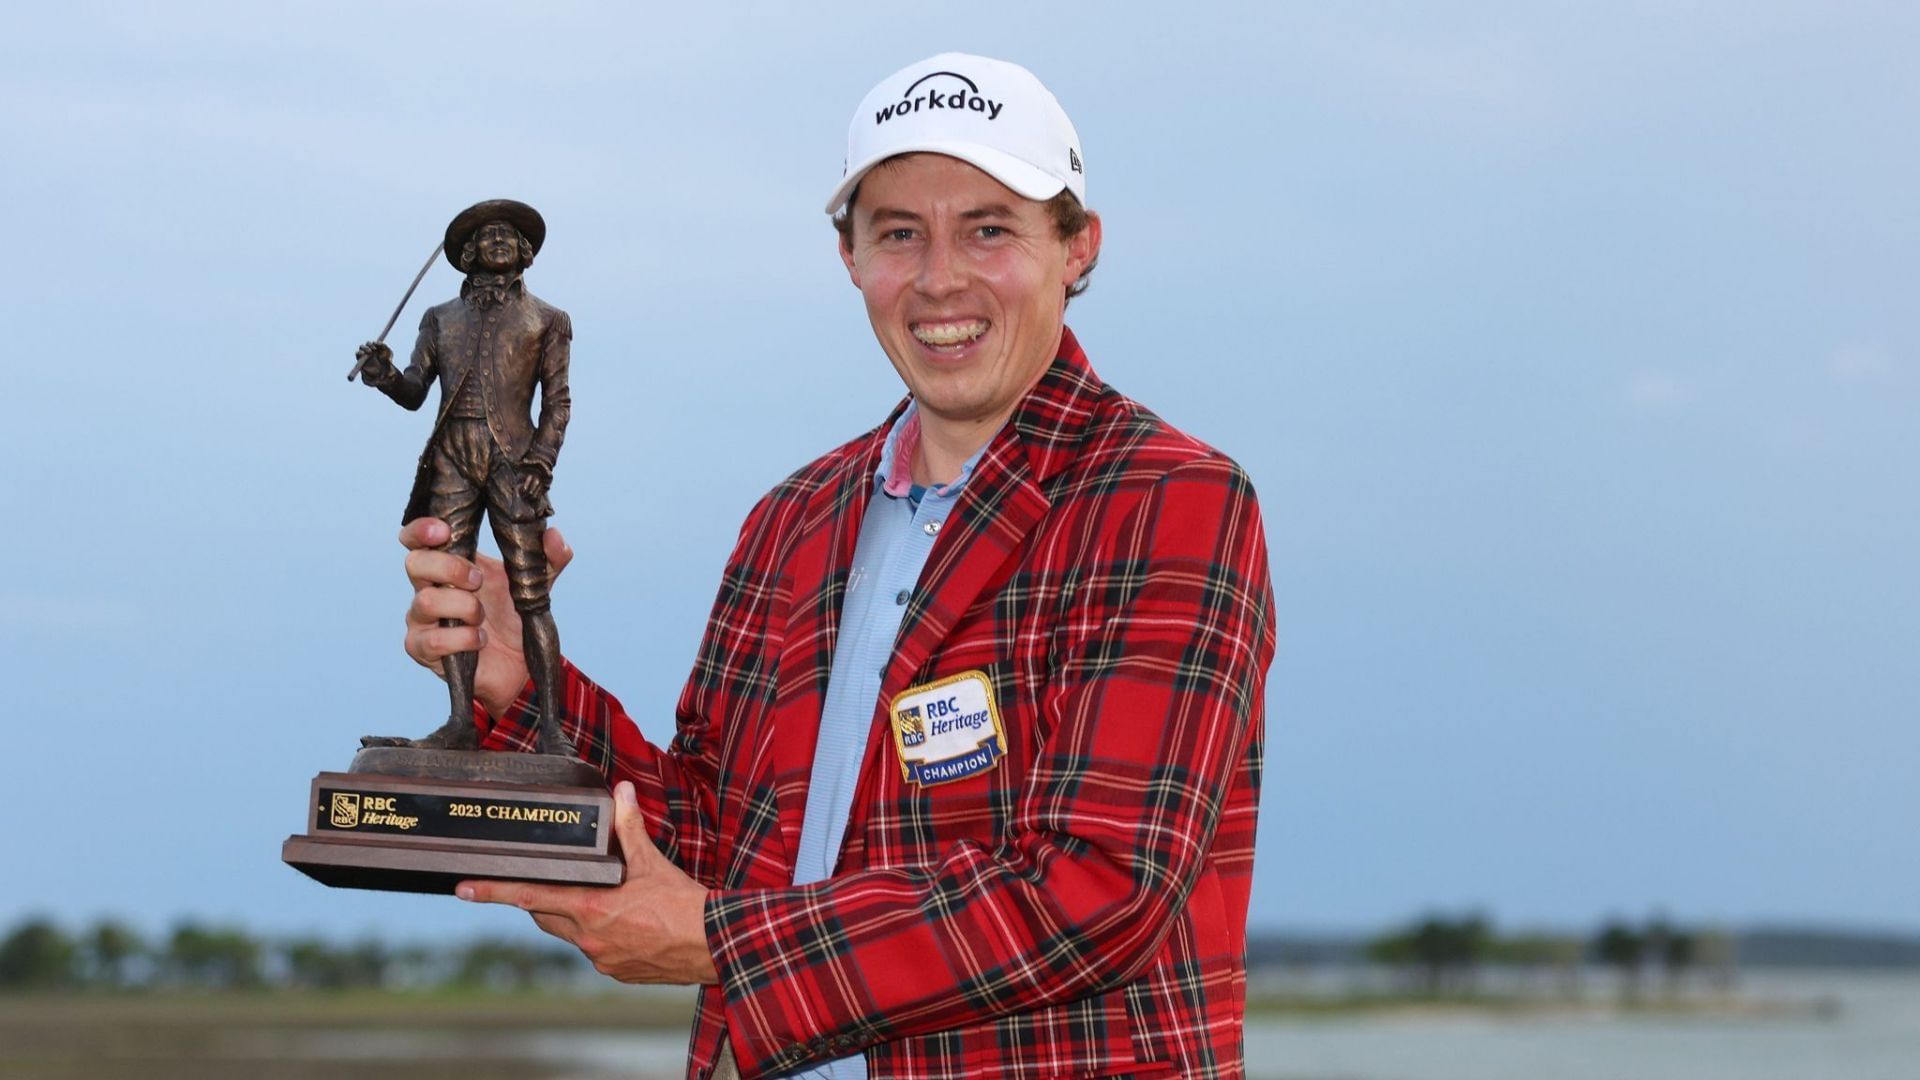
column 967, row 96
column 989, row 113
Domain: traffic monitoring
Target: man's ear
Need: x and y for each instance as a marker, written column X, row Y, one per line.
column 1082, row 248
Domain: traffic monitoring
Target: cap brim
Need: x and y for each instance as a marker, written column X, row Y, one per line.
column 1026, row 180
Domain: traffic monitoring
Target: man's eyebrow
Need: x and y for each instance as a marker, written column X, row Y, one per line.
column 888, row 213
column 991, row 210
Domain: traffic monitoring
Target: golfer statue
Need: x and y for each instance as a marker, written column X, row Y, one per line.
column 488, row 349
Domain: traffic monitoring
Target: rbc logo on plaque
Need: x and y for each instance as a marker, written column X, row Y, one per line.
column 913, row 731
column 345, row 812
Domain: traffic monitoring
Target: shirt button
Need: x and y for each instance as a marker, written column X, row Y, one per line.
column 903, row 596
column 931, row 528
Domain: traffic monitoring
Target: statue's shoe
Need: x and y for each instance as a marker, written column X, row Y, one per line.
column 456, row 734
column 553, row 740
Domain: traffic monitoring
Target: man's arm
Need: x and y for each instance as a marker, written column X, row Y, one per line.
column 1156, row 699
column 677, row 787
column 461, row 606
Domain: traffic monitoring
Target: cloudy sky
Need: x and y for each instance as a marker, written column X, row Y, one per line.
column 1571, row 346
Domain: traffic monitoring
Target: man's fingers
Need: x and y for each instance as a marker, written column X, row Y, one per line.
column 546, row 899
column 559, row 554
column 431, row 644
column 424, row 532
column 426, row 567
column 431, row 605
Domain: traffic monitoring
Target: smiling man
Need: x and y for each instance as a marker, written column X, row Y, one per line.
column 965, row 776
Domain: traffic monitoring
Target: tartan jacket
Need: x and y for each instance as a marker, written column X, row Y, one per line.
column 1080, row 908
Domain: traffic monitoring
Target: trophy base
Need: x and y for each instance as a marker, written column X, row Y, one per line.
column 420, row 868
column 407, row 819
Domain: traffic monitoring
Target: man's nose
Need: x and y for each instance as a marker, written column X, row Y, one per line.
column 942, row 269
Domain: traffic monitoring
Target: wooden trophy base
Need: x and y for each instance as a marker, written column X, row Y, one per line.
column 410, row 820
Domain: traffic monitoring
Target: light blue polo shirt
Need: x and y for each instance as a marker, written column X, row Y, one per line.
column 896, row 536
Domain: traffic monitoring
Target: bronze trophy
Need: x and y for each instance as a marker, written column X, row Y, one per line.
column 419, row 815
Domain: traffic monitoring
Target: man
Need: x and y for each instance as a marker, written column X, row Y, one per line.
column 488, row 349
column 965, row 775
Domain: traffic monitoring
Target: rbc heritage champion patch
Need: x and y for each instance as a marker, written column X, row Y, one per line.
column 947, row 730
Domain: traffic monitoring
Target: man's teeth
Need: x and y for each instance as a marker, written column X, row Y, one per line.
column 948, row 333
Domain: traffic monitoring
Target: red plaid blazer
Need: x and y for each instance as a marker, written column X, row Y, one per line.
column 1077, row 910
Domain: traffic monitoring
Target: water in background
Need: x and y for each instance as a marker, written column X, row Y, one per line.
column 1855, row 1026
column 1844, row 1026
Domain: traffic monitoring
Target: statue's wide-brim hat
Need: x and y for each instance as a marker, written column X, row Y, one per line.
column 517, row 214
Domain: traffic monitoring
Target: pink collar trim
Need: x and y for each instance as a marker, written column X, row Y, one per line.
column 905, row 445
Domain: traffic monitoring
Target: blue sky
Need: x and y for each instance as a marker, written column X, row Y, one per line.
column 1571, row 347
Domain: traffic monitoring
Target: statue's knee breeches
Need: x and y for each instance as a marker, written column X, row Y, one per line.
column 526, row 560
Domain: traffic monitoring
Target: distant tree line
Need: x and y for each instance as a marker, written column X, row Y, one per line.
column 1446, row 955
column 39, row 955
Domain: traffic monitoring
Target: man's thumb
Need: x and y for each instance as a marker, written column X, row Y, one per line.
column 628, row 824
column 558, row 553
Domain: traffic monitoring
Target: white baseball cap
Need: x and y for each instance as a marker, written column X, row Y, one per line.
column 989, row 113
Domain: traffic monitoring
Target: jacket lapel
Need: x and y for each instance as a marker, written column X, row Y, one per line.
column 829, row 531
column 1000, row 505
column 1002, row 502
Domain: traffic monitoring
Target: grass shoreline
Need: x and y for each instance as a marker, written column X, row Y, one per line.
column 672, row 1008
column 481, row 1035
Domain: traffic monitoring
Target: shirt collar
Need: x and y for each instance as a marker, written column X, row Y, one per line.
column 903, row 441
column 1046, row 428
column 491, row 288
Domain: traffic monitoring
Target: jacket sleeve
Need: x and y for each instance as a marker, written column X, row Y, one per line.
column 556, row 402
column 1155, row 700
column 677, row 786
column 409, row 387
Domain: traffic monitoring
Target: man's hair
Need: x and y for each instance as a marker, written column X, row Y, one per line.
column 468, row 250
column 1069, row 221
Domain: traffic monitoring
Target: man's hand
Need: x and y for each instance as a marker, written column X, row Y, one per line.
column 475, row 594
column 648, row 929
column 376, row 360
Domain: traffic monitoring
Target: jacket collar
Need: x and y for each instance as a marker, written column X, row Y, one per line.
column 1047, row 424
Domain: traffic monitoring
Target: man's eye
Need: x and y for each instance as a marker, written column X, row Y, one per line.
column 899, row 234
column 990, row 232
